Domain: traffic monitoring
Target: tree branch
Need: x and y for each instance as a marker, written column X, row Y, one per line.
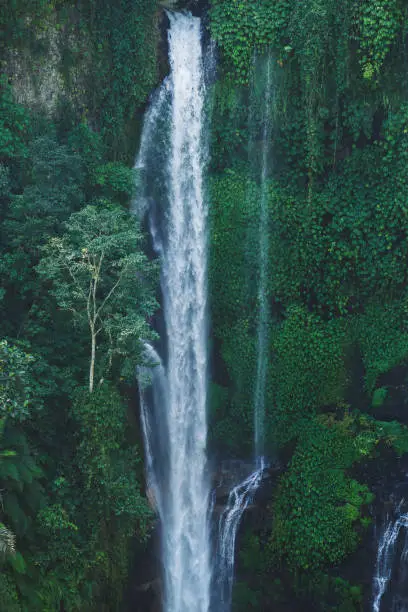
column 115, row 286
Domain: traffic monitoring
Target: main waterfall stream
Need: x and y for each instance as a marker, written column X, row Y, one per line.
column 171, row 165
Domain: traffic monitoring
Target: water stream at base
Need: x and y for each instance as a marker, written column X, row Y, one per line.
column 238, row 500
column 392, row 564
column 171, row 165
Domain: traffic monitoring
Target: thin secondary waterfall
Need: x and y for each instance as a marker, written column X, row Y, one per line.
column 392, row 559
column 263, row 308
column 242, row 494
column 173, row 152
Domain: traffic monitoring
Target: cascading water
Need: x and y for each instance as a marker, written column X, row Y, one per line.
column 392, row 564
column 153, row 393
column 242, row 494
column 174, row 420
column 238, row 500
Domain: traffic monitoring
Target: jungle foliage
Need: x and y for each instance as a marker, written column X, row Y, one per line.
column 72, row 511
column 337, row 272
column 70, row 469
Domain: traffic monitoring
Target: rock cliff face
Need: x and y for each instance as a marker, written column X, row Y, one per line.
column 170, row 4
column 88, row 62
column 41, row 70
column 197, row 7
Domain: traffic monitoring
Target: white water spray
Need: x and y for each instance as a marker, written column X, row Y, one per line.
column 177, row 463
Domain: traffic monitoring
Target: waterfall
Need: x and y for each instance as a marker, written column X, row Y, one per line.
column 242, row 494
column 154, row 113
column 263, row 308
column 238, row 500
column 389, row 555
column 153, row 414
column 173, row 153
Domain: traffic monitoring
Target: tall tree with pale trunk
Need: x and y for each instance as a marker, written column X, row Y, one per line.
column 102, row 277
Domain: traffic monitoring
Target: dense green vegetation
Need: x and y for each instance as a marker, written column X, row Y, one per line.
column 72, row 510
column 75, row 81
column 337, row 202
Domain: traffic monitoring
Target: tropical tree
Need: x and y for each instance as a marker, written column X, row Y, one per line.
column 102, row 277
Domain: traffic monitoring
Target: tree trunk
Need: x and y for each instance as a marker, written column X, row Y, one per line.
column 92, row 366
